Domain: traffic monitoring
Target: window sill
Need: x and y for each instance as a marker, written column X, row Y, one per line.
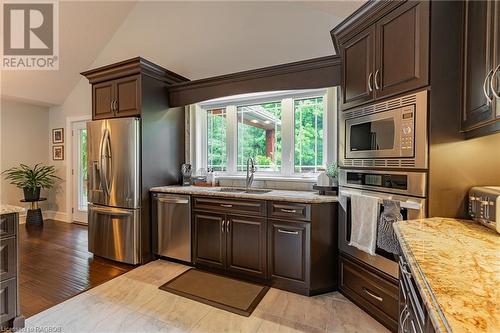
column 296, row 179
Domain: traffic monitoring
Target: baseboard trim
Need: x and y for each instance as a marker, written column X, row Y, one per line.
column 48, row 215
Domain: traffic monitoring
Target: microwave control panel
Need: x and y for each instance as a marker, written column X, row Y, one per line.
column 407, row 126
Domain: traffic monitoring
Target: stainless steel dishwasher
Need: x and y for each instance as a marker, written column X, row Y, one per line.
column 172, row 226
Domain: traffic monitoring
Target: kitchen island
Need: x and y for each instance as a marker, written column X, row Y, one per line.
column 456, row 267
column 9, row 274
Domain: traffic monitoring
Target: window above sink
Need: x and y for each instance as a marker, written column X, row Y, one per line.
column 287, row 133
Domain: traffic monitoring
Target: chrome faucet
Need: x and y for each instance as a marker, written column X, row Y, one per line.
column 250, row 172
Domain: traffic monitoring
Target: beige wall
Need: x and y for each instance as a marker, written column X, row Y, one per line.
column 24, row 138
column 457, row 166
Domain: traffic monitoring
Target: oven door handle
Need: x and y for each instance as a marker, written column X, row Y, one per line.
column 403, row 204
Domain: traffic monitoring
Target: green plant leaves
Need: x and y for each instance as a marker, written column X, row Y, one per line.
column 24, row 176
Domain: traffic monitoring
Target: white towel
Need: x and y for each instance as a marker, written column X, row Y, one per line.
column 364, row 217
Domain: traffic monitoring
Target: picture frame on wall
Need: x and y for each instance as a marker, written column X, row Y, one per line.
column 58, row 135
column 58, row 153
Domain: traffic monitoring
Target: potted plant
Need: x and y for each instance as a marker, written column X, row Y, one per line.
column 332, row 171
column 31, row 180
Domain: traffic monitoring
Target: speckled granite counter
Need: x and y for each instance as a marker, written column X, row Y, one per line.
column 456, row 264
column 276, row 195
column 9, row 209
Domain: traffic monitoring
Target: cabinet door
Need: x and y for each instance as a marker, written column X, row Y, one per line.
column 357, row 69
column 128, row 96
column 209, row 239
column 478, row 48
column 8, row 295
column 496, row 56
column 402, row 50
column 289, row 250
column 8, row 257
column 102, row 100
column 246, row 245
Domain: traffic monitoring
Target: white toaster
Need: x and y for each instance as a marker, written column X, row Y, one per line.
column 484, row 206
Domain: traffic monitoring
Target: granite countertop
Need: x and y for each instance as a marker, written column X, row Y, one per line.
column 9, row 209
column 456, row 265
column 276, row 195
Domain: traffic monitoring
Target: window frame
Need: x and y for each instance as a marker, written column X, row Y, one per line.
column 197, row 150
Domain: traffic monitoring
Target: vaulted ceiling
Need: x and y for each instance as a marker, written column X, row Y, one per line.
column 194, row 39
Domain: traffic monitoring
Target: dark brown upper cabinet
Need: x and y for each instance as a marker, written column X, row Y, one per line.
column 384, row 50
column 481, row 66
column 118, row 89
column 359, row 59
column 402, row 60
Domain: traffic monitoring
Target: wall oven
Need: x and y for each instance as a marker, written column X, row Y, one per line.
column 390, row 134
column 408, row 188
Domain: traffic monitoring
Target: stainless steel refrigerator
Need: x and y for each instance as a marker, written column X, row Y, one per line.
column 114, row 211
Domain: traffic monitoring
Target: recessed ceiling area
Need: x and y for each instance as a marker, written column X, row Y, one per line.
column 194, row 39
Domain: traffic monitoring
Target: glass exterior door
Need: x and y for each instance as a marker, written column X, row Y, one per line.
column 79, row 172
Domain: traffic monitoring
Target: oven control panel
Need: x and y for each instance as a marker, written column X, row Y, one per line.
column 407, row 130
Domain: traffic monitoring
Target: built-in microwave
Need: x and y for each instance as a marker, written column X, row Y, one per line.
column 390, row 134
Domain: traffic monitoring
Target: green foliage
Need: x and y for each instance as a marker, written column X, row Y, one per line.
column 308, row 129
column 308, row 133
column 332, row 170
column 24, row 176
column 216, row 137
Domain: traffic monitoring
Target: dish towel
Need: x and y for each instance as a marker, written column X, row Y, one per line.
column 386, row 239
column 364, row 216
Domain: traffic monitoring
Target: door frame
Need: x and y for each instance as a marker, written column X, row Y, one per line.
column 69, row 163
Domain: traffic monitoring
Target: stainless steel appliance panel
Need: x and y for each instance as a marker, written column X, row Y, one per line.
column 114, row 233
column 113, row 162
column 172, row 226
column 412, row 208
column 389, row 134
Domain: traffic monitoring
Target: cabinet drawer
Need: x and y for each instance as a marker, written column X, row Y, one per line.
column 288, row 210
column 8, row 296
column 231, row 206
column 7, row 225
column 8, row 256
column 375, row 294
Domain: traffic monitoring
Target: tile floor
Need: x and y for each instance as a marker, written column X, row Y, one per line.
column 133, row 303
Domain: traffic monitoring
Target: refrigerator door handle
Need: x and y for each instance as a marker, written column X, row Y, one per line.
column 111, row 211
column 105, row 152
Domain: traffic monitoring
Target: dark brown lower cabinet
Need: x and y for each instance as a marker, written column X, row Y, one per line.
column 246, row 245
column 231, row 243
column 8, row 295
column 302, row 254
column 209, row 239
column 373, row 291
column 289, row 253
column 10, row 314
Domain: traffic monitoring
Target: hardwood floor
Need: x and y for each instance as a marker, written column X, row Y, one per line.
column 55, row 265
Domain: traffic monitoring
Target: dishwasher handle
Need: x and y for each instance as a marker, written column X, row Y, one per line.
column 172, row 200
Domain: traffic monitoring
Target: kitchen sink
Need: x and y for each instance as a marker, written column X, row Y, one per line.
column 244, row 190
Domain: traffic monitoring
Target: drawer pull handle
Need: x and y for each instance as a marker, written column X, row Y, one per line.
column 371, row 294
column 226, row 206
column 222, row 228
column 288, row 232
column 293, row 211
